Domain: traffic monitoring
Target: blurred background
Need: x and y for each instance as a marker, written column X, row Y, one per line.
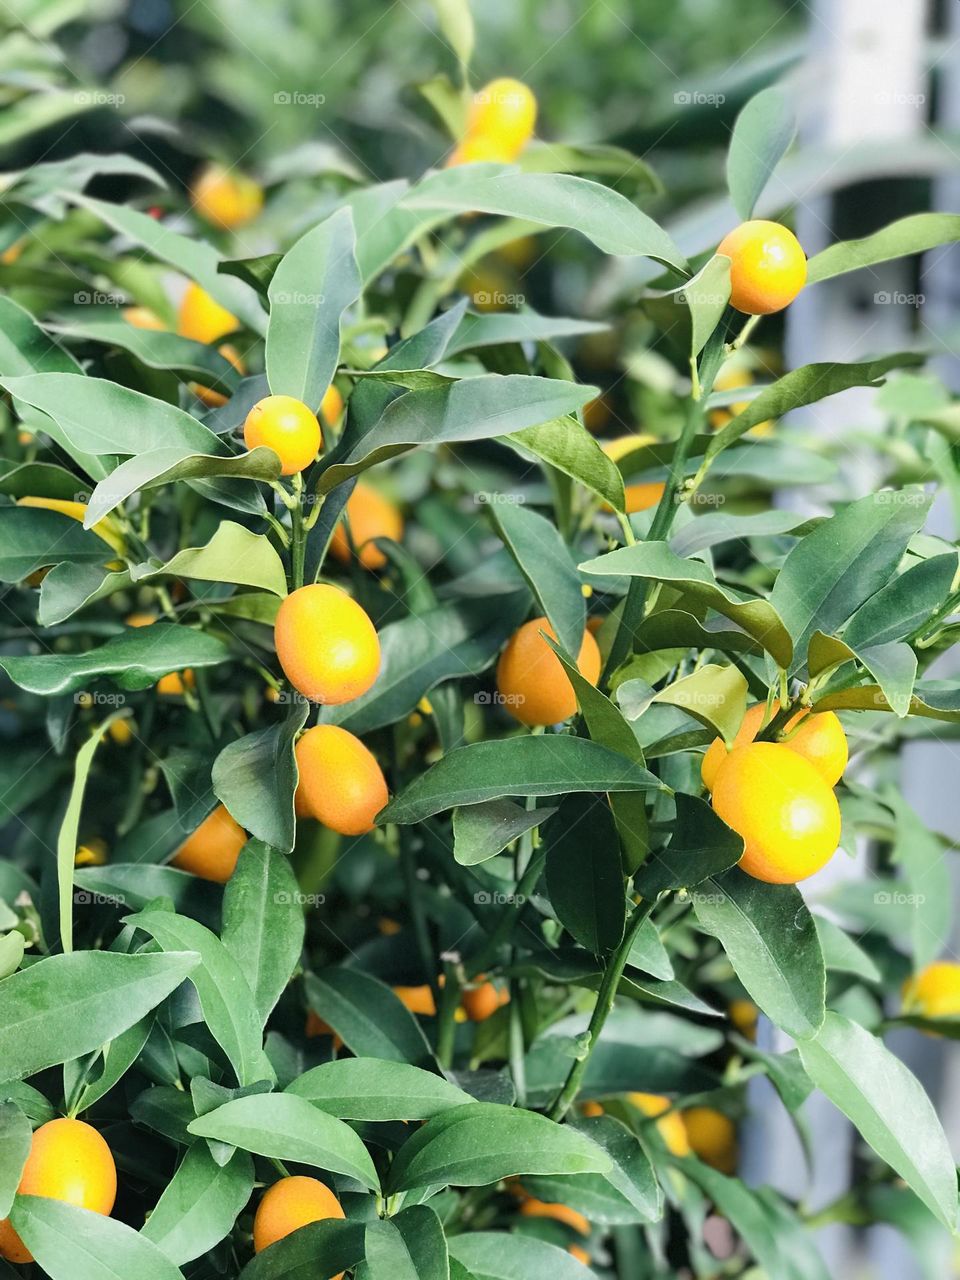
column 314, row 97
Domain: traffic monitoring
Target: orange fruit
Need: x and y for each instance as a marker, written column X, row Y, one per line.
column 580, row 1254
column 94, row 852
column 290, row 1204
column 479, row 150
column 531, row 682
column 819, row 738
column 591, row 1109
column 669, row 1122
column 777, row 801
column 370, row 515
column 68, row 1161
column 328, row 647
column 768, row 267
column 207, row 394
column 712, row 1136
column 225, row 198
column 142, row 318
column 934, row 992
column 340, row 784
column 482, row 1001
column 505, row 113
column 331, row 406
column 644, row 494
column 744, row 1016
column 288, row 427
column 418, row 999
column 202, row 318
column 533, row 1208
column 211, row 852
column 316, row 1026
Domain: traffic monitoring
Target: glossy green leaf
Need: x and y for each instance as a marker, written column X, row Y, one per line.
column 67, row 1005
column 233, row 554
column 263, row 925
column 373, row 1089
column 314, row 284
column 26, row 347
column 135, row 660
column 32, row 538
column 285, row 1127
column 15, row 1138
column 69, row 587
column 367, row 1016
column 317, row 1251
column 499, row 1255
column 544, row 560
column 222, row 987
column 256, row 776
column 920, row 855
column 156, row 348
column 771, row 940
column 914, row 234
column 586, row 890
column 546, row 765
column 566, row 445
column 481, row 831
column 200, row 1204
column 842, row 954
column 482, row 1142
column 903, row 605
column 762, row 134
column 75, row 1244
column 493, row 329
column 877, row 1093
column 656, row 562
column 410, row 1246
column 217, row 475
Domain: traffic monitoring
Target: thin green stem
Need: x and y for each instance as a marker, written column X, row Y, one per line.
column 601, row 1010
column 298, row 544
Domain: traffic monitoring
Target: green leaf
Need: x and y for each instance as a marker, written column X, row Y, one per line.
column 317, row 1251
column 370, row 1020
column 914, row 234
column 806, row 385
column 74, row 1244
column 225, row 997
column 932, row 699
column 263, row 925
column 68, row 588
column 771, row 940
column 32, row 538
column 763, row 132
column 282, row 1126
column 841, row 953
column 200, row 1204
column 410, row 1246
column 544, row 559
column 256, row 776
column 421, row 651
column 877, row 1093
column 67, row 1005
column 119, row 1055
column 157, row 349
column 904, row 604
column 649, row 954
column 920, row 854
column 215, row 475
column 191, row 255
column 315, row 283
column 715, row 695
column 372, row 1089
column 482, row 1142
column 136, row 659
column 656, row 562
column 498, row 1255
column 12, row 947
column 67, row 837
column 546, row 765
column 627, row 1193
column 706, row 296
column 102, row 417
column 566, row 445
column 26, row 347
column 472, row 409
column 456, row 25
column 495, row 329
column 587, row 892
column 843, row 562
column 233, row 554
column 15, row 1138
column 481, row 831
column 717, row 527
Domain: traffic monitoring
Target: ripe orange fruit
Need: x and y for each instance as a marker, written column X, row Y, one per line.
column 202, row 318
column 712, row 1137
column 418, row 999
column 370, row 515
column 482, row 1001
column 777, row 801
column 744, row 1015
column 768, row 267
column 505, row 113
column 531, row 682
column 934, row 992
column 331, row 406
column 290, row 1204
column 226, row 198
column 211, row 852
column 328, row 647
column 288, row 427
column 142, row 318
column 68, row 1161
column 341, row 784
column 820, row 739
column 644, row 494
column 533, row 1208
column 207, row 394
column 669, row 1124
column 479, row 150
column 591, row 1109
column 731, row 377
